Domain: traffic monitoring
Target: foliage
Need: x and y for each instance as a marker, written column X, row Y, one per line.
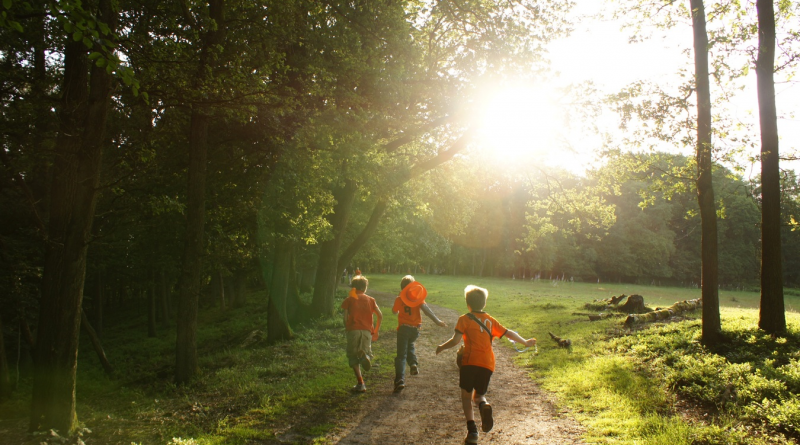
column 643, row 386
column 249, row 390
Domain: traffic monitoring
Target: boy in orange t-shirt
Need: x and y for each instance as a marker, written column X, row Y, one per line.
column 478, row 329
column 358, row 310
column 407, row 308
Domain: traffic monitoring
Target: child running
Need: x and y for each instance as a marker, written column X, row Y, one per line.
column 478, row 329
column 407, row 307
column 358, row 310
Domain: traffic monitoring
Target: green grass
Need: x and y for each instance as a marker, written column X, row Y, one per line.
column 655, row 385
column 246, row 392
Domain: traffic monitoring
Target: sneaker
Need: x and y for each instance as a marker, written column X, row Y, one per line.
column 414, row 369
column 399, row 385
column 365, row 363
column 472, row 437
column 360, row 388
column 487, row 422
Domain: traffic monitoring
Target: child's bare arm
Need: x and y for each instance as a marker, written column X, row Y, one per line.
column 517, row 338
column 449, row 343
column 379, row 316
column 431, row 315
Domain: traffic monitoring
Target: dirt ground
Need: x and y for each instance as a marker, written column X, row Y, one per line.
column 428, row 410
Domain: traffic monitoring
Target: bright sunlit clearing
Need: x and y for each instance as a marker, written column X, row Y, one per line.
column 522, row 125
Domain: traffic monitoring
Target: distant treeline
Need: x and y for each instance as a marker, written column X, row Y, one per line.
column 627, row 222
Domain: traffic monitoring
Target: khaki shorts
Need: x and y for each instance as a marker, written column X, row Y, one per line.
column 358, row 343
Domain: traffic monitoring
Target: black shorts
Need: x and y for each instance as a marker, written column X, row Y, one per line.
column 474, row 378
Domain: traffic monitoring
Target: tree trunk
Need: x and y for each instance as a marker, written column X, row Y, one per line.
column 164, row 300
column 189, row 287
column 366, row 234
column 772, row 316
column 221, row 290
column 191, row 273
column 705, row 192
column 98, row 305
column 328, row 263
column 98, row 347
column 278, row 328
column 5, row 377
column 76, row 173
column 151, row 306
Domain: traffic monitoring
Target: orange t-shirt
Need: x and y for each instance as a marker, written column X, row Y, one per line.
column 477, row 343
column 406, row 314
column 359, row 312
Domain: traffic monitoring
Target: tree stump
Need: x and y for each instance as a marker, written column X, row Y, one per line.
column 634, row 305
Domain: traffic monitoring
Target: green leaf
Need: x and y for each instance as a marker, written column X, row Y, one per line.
column 95, row 55
column 87, row 42
column 68, row 27
column 7, row 4
column 101, row 62
column 16, row 26
column 103, row 28
column 135, row 90
column 77, row 36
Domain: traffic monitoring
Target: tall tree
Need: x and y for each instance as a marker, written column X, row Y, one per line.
column 190, row 279
column 712, row 327
column 84, row 107
column 772, row 317
column 505, row 35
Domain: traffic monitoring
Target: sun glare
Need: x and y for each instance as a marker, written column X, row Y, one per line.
column 523, row 125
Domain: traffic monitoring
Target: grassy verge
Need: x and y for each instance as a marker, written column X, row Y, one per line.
column 651, row 386
column 248, row 391
column 656, row 385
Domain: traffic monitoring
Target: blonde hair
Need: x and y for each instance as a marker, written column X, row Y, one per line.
column 360, row 282
column 476, row 297
column 408, row 279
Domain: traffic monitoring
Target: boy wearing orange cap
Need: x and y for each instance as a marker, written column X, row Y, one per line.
column 358, row 311
column 478, row 329
column 407, row 308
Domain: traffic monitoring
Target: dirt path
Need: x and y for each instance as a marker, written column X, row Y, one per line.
column 428, row 411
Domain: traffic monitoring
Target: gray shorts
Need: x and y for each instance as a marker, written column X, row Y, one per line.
column 358, row 343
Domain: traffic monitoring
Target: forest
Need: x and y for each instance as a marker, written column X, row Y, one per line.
column 166, row 159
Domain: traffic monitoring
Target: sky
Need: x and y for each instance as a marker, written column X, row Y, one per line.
column 599, row 51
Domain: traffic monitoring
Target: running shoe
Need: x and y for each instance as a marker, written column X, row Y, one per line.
column 487, row 422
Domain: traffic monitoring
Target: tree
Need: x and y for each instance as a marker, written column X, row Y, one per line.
column 772, row 317
column 505, row 36
column 84, row 108
column 712, row 327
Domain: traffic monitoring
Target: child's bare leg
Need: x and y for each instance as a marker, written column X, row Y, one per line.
column 466, row 403
column 357, row 371
column 478, row 398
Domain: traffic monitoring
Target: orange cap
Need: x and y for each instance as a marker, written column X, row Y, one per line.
column 413, row 294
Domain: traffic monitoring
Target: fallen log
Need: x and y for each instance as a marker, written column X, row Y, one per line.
column 603, row 316
column 663, row 314
column 562, row 342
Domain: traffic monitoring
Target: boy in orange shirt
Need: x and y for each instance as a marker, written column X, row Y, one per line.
column 478, row 329
column 407, row 308
column 358, row 310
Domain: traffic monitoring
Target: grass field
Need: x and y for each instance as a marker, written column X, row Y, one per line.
column 655, row 385
column 650, row 386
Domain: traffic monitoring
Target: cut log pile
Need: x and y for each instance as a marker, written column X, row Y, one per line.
column 636, row 310
column 663, row 314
